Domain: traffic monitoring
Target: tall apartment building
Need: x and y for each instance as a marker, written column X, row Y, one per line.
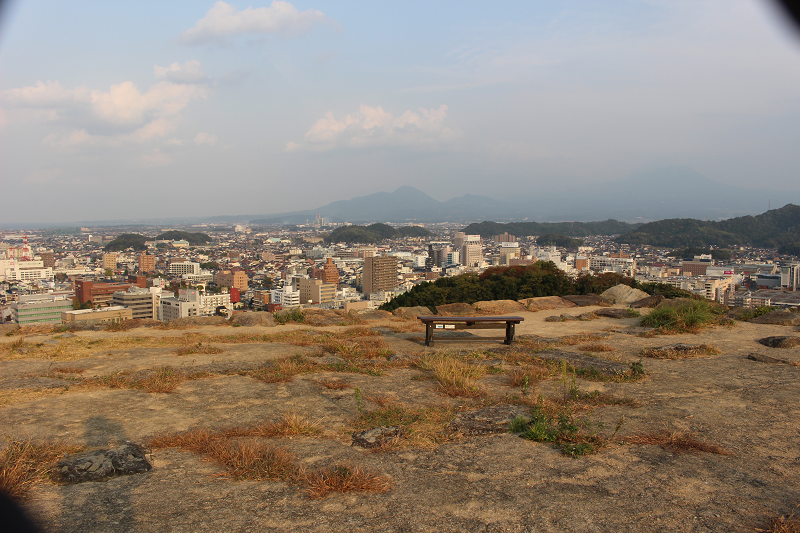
column 694, row 268
column 48, row 259
column 147, row 263
column 285, row 297
column 331, row 273
column 790, row 276
column 143, row 303
column 505, row 237
column 110, row 260
column 380, row 273
column 232, row 278
column 469, row 248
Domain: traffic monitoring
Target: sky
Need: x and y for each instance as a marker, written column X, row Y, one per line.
column 134, row 110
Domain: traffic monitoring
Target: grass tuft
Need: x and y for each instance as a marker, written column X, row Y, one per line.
column 334, row 384
column 23, row 463
column 784, row 524
column 456, row 377
column 680, row 351
column 676, row 441
column 199, row 348
column 689, row 316
column 343, row 478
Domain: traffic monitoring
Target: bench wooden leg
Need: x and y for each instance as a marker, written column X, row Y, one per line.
column 509, row 333
column 429, row 333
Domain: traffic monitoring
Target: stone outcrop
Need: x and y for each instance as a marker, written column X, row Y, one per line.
column 547, row 302
column 612, row 313
column 371, row 315
column 622, row 294
column 587, row 363
column 780, row 341
column 585, row 300
column 494, row 419
column 259, row 318
column 499, row 307
column 101, row 465
column 412, row 312
column 650, row 301
column 779, row 317
column 323, row 317
column 376, row 437
column 200, row 321
column 456, row 309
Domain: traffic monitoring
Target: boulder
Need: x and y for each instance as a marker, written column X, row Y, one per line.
column 547, row 302
column 780, row 341
column 585, row 300
column 101, row 465
column 494, row 419
column 622, row 294
column 258, row 318
column 612, row 313
column 376, row 437
column 499, row 307
column 650, row 301
column 371, row 314
column 412, row 312
column 456, row 309
column 780, row 317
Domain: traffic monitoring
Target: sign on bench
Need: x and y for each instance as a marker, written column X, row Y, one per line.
column 441, row 323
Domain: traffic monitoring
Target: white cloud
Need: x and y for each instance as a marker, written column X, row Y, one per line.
column 224, row 20
column 189, row 72
column 121, row 115
column 205, row 138
column 372, row 126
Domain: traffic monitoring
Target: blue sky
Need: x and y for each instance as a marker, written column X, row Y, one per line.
column 155, row 109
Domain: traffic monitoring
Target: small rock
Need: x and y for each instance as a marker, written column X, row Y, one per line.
column 584, row 300
column 612, row 313
column 587, row 316
column 766, row 359
column 376, row 437
column 780, row 341
column 622, row 294
column 650, row 301
column 101, row 465
column 398, row 356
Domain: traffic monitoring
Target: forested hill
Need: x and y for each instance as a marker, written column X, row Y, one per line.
column 571, row 229
column 374, row 233
column 778, row 228
column 192, row 238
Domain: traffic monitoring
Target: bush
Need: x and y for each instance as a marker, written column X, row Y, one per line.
column 292, row 315
column 684, row 316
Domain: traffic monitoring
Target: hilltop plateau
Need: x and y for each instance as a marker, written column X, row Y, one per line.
column 622, row 435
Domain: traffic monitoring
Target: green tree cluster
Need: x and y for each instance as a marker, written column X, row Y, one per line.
column 192, row 238
column 488, row 229
column 374, row 233
column 125, row 241
column 556, row 239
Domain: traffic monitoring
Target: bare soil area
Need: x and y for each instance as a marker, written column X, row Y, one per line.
column 60, row 387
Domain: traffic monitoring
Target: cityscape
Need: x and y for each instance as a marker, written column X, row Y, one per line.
column 313, row 266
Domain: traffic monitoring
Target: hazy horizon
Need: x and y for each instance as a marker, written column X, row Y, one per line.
column 188, row 109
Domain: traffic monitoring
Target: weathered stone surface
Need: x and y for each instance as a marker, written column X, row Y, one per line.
column 456, row 309
column 766, row 359
column 612, row 313
column 200, row 321
column 399, row 356
column 376, row 437
column 622, row 294
column 780, row 317
column 584, row 362
column 780, row 341
column 677, row 351
column 412, row 312
column 371, row 315
column 650, row 301
column 587, row 316
column 585, row 300
column 499, row 307
column 494, row 419
column 101, row 465
column 258, row 318
column 34, row 383
column 547, row 302
column 323, row 317
column 327, row 360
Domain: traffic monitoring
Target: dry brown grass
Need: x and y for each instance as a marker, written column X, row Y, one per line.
column 67, row 370
column 528, row 375
column 381, row 400
column 283, row 370
column 784, row 524
column 23, row 463
column 199, row 348
column 596, row 347
column 8, row 397
column 580, row 338
column 334, row 384
column 676, row 441
column 162, row 379
column 343, row 478
column 407, row 326
column 681, row 351
column 456, row 377
column 423, row 426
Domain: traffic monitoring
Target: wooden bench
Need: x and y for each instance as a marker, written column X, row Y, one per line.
column 445, row 323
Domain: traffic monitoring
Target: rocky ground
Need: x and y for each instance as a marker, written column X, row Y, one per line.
column 82, row 388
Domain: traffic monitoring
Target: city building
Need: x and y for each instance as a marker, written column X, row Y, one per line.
column 315, row 291
column 100, row 293
column 232, row 278
column 48, row 259
column 39, row 308
column 144, row 303
column 110, row 261
column 147, row 263
column 114, row 313
column 285, row 297
column 331, row 273
column 380, row 273
column 694, row 268
column 184, row 267
column 505, row 237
